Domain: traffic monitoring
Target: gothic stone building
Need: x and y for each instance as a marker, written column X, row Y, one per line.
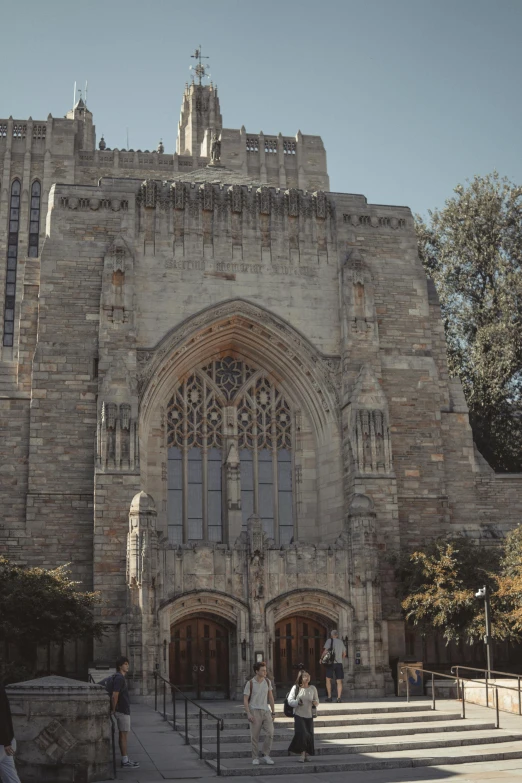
column 224, row 398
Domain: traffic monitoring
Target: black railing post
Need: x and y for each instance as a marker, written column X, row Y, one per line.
column 433, row 690
column 519, row 700
column 497, row 710
column 487, row 692
column 155, row 691
column 186, row 722
column 200, row 734
column 164, row 701
column 463, row 686
column 173, row 694
column 218, row 738
column 113, row 736
column 407, row 686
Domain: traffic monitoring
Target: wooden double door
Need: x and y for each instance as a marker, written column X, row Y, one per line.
column 298, row 640
column 198, row 660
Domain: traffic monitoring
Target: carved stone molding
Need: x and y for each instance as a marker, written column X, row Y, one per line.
column 375, row 221
column 320, row 372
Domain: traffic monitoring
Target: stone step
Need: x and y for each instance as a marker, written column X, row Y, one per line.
column 379, row 760
column 355, row 719
column 334, row 733
column 340, row 747
column 326, row 709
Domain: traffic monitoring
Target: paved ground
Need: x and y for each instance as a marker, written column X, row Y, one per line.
column 163, row 756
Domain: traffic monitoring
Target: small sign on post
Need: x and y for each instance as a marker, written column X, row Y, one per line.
column 415, row 678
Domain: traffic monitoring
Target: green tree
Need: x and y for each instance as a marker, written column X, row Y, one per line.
column 39, row 606
column 509, row 582
column 437, row 586
column 472, row 248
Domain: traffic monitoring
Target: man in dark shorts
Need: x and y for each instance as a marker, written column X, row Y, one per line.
column 336, row 668
column 120, row 709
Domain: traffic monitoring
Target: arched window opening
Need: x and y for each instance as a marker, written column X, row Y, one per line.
column 34, row 220
column 200, row 434
column 12, row 258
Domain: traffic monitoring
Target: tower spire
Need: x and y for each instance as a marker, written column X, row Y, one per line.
column 200, row 69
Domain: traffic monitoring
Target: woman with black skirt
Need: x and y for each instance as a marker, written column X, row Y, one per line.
column 303, row 698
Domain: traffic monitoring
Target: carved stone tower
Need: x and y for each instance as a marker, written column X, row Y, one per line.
column 200, row 116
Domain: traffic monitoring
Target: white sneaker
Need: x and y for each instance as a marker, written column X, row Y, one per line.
column 268, row 760
column 255, row 761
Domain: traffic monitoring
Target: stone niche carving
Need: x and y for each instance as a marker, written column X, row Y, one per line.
column 369, row 426
column 358, row 303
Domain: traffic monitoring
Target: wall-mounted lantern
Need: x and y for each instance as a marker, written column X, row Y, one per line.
column 165, row 649
column 243, row 650
column 345, row 642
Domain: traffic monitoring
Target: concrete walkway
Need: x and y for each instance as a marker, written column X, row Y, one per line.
column 163, row 756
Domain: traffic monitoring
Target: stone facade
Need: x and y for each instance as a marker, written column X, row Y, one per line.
column 175, row 308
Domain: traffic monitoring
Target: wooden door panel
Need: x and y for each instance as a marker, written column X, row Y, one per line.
column 198, row 657
column 298, row 640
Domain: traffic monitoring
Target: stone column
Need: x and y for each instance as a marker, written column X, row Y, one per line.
column 142, row 570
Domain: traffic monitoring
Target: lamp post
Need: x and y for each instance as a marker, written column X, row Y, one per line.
column 483, row 592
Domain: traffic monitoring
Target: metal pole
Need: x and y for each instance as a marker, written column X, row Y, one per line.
column 433, row 690
column 497, row 722
column 164, row 702
column 186, row 723
column 487, row 610
column 172, row 692
column 113, row 733
column 463, row 713
column 407, row 686
column 458, row 682
column 218, row 724
column 519, row 701
column 487, row 690
column 155, row 691
column 200, row 734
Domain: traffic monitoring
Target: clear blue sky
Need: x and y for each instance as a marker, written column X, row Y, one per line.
column 410, row 96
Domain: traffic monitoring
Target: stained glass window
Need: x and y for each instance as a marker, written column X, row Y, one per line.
column 197, row 448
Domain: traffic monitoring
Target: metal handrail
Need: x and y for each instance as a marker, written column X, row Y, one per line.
column 461, row 688
column 488, row 673
column 111, row 721
column 174, row 689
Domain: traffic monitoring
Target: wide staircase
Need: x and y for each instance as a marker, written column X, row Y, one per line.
column 356, row 737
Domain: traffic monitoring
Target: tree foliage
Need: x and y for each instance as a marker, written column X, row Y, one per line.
column 472, row 248
column 39, row 606
column 437, row 586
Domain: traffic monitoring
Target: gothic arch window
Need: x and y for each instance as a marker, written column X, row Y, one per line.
column 12, row 257
column 229, row 437
column 34, row 219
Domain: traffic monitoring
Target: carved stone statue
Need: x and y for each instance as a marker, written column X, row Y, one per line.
column 215, row 150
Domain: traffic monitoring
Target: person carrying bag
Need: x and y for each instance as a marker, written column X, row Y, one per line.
column 304, row 699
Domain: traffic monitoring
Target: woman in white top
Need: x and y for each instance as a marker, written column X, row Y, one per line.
column 303, row 697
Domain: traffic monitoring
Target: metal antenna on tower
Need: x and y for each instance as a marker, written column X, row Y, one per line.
column 74, row 95
column 86, row 82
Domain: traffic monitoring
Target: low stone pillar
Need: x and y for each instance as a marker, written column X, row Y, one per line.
column 62, row 728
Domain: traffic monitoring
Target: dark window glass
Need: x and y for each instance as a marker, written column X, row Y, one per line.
column 12, row 253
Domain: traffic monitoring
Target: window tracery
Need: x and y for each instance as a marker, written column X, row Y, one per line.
column 198, row 445
column 34, row 220
column 12, row 259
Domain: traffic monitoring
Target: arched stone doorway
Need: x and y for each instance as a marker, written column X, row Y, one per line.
column 299, row 639
column 199, row 656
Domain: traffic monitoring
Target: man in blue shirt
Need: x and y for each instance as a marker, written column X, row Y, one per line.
column 120, row 708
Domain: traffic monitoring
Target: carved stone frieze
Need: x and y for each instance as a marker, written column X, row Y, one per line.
column 374, row 221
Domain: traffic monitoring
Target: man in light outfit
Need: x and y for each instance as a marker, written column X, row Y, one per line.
column 258, row 699
column 336, row 668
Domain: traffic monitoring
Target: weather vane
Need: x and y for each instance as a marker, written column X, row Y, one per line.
column 200, row 70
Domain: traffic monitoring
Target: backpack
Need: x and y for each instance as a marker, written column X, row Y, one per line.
column 108, row 683
column 328, row 656
column 287, row 709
